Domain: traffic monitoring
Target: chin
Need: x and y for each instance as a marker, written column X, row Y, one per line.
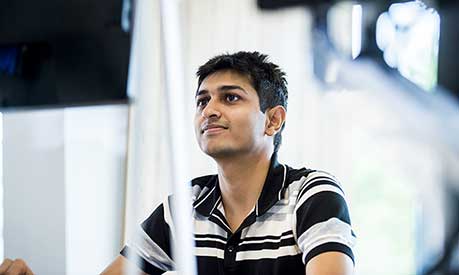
column 220, row 152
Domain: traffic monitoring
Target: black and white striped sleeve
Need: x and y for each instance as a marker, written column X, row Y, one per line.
column 150, row 245
column 322, row 217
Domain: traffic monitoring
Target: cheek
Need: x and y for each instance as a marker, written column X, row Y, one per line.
column 259, row 123
column 260, row 131
column 253, row 124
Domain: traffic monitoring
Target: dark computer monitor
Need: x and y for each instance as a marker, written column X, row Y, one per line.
column 62, row 53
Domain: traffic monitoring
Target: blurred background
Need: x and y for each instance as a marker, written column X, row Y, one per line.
column 85, row 126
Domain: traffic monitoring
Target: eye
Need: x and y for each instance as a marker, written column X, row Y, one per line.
column 232, row 97
column 201, row 102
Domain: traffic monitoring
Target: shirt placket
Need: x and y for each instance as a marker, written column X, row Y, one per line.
column 229, row 262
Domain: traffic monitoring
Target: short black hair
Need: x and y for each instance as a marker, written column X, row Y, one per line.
column 266, row 78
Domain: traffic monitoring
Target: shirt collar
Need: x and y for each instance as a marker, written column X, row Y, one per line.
column 207, row 202
column 270, row 194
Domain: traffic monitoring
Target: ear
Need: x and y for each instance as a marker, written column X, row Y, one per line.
column 275, row 118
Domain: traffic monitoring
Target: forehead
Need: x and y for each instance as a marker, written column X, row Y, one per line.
column 225, row 77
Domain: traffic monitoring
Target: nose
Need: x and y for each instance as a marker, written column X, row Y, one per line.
column 211, row 109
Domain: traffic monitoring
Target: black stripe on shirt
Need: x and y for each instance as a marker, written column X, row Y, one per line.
column 329, row 247
column 267, row 237
column 266, row 245
column 318, row 181
column 285, row 265
column 212, row 236
column 321, row 207
column 210, row 244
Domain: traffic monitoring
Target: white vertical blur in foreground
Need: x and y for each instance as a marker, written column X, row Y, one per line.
column 148, row 164
column 183, row 249
column 142, row 186
column 356, row 30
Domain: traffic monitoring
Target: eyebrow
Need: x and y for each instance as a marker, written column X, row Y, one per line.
column 222, row 89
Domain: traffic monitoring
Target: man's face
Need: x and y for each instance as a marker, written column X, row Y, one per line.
column 228, row 120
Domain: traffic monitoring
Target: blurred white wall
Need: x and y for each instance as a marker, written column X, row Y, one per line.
column 95, row 174
column 34, row 189
column 63, row 181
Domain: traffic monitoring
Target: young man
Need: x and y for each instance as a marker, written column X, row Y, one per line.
column 256, row 216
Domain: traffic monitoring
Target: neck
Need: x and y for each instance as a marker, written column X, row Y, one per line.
column 241, row 181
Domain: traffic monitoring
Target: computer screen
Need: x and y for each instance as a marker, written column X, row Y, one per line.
column 62, row 53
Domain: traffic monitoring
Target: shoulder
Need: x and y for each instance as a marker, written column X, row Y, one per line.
column 321, row 216
column 304, row 179
column 312, row 186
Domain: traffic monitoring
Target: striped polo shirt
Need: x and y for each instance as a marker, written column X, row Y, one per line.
column 300, row 213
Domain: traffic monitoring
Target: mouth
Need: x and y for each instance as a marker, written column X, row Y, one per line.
column 212, row 128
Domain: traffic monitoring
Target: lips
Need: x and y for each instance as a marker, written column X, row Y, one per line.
column 212, row 128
